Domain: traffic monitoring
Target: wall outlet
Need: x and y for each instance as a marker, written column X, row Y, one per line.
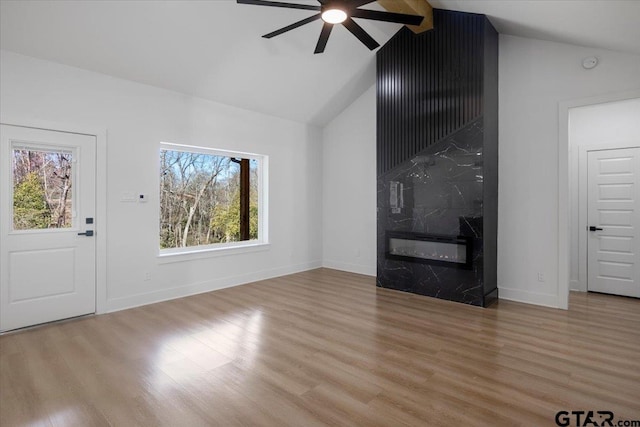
column 358, row 253
column 540, row 277
column 147, row 276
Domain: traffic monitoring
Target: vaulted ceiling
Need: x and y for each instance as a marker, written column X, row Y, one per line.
column 214, row 49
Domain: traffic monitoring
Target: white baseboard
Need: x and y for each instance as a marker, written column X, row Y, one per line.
column 351, row 268
column 574, row 285
column 547, row 300
column 117, row 304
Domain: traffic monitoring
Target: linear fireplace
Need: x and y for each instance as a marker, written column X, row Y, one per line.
column 449, row 251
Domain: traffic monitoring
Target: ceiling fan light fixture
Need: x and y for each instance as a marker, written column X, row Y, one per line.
column 334, row 16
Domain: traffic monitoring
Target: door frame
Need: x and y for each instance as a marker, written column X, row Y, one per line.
column 564, row 169
column 100, row 133
column 583, row 205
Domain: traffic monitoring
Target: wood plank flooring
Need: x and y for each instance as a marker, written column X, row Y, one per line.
column 325, row 348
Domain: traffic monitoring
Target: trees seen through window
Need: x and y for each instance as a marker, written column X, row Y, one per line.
column 202, row 198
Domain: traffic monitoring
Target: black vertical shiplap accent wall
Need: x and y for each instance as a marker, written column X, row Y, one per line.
column 437, row 135
column 429, row 85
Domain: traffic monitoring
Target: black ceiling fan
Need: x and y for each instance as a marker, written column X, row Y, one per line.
column 334, row 12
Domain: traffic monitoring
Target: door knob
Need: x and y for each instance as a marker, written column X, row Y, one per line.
column 87, row 233
column 594, row 228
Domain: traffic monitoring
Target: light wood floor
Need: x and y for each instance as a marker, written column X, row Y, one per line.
column 325, row 347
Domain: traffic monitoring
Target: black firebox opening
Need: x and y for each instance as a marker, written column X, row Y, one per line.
column 447, row 251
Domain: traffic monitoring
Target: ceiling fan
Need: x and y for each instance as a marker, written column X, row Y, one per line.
column 334, row 12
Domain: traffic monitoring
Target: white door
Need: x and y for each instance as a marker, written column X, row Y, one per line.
column 613, row 220
column 47, row 200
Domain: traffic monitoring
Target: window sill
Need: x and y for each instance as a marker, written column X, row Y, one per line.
column 166, row 258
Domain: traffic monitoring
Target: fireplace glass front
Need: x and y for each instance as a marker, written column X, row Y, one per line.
column 432, row 249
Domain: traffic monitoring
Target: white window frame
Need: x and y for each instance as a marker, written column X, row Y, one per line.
column 220, row 249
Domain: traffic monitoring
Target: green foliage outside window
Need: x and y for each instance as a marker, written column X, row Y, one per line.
column 225, row 223
column 30, row 210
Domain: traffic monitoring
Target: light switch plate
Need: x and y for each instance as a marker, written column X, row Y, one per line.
column 128, row 197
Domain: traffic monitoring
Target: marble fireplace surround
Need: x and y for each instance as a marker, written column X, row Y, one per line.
column 442, row 197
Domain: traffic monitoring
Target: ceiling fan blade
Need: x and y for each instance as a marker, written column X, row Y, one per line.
column 350, row 4
column 358, row 3
column 360, row 33
column 324, row 37
column 279, row 4
column 292, row 26
column 399, row 18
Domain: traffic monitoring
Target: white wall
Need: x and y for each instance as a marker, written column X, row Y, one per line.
column 137, row 118
column 349, row 187
column 535, row 76
column 606, row 125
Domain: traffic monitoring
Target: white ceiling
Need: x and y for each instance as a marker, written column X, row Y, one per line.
column 213, row 49
column 607, row 24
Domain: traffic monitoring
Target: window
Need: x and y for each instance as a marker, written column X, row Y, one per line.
column 209, row 199
column 42, row 190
